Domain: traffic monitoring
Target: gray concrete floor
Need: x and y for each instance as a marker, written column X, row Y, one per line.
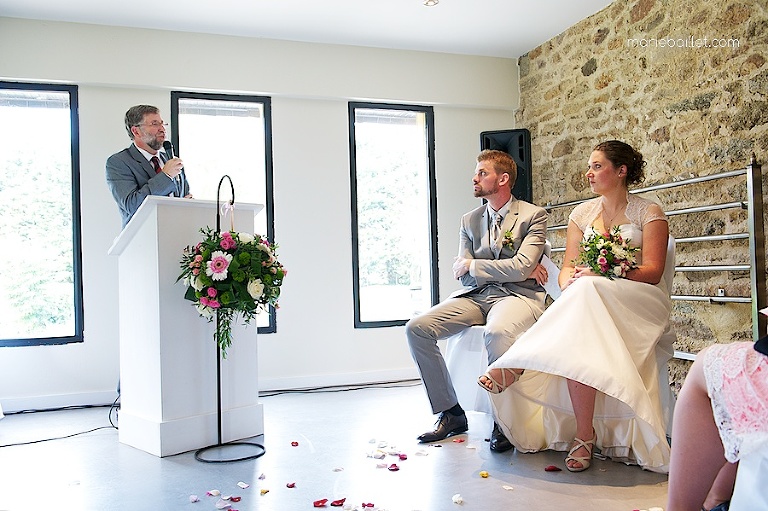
column 336, row 432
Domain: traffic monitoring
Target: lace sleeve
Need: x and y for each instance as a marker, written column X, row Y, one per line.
column 585, row 213
column 640, row 211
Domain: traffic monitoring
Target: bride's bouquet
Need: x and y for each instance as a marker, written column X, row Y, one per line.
column 608, row 254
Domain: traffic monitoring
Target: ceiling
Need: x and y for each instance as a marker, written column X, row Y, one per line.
column 497, row 28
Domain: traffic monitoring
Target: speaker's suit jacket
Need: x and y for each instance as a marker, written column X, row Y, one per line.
column 528, row 226
column 131, row 179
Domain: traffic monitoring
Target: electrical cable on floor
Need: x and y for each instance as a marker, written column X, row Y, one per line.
column 343, row 388
column 112, row 425
column 309, row 390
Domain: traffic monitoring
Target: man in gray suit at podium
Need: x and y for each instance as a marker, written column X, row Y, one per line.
column 501, row 243
column 144, row 169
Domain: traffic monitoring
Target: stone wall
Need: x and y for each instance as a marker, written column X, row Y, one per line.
column 641, row 71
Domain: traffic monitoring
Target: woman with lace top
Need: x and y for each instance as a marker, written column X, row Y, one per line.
column 585, row 374
column 720, row 432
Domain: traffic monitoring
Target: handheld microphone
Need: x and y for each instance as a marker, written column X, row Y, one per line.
column 179, row 180
column 168, row 146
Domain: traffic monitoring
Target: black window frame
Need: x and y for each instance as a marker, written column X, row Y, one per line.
column 428, row 111
column 77, row 252
column 269, row 207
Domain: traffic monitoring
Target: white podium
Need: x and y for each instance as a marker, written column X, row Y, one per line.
column 168, row 382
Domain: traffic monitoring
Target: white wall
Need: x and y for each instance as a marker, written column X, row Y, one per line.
column 310, row 84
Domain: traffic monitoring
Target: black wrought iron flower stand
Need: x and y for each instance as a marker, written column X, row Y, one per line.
column 220, row 446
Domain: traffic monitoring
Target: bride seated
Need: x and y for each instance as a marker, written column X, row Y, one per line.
column 585, row 374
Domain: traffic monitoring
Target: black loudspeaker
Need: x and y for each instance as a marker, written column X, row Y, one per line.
column 516, row 143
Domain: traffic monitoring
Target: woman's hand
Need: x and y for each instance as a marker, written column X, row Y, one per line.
column 577, row 273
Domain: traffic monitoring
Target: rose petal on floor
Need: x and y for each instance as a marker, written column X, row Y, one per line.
column 507, row 487
column 552, row 468
column 393, row 468
column 294, row 444
column 457, row 499
column 222, row 504
column 459, row 440
column 483, row 474
column 264, row 491
column 320, row 503
column 194, row 498
column 338, row 503
column 213, row 493
column 290, row 485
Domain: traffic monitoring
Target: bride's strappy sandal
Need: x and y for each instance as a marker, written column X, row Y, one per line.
column 498, row 387
column 585, row 461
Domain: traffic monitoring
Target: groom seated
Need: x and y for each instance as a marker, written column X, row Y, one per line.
column 501, row 243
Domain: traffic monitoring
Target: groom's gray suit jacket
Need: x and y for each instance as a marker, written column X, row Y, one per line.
column 131, row 179
column 528, row 226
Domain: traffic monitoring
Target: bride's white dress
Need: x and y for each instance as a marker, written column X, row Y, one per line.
column 602, row 333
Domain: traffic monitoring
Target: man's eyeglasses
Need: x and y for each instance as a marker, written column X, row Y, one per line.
column 154, row 124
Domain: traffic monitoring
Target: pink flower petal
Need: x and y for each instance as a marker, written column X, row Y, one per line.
column 552, row 468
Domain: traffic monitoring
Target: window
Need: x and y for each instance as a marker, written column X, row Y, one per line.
column 394, row 212
column 41, row 274
column 217, row 134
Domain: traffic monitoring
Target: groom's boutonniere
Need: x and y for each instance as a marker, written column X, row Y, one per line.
column 507, row 240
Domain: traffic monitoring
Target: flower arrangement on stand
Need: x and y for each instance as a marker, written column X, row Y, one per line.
column 230, row 274
column 608, row 254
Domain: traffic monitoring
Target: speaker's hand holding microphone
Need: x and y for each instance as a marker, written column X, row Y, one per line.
column 175, row 169
column 174, row 165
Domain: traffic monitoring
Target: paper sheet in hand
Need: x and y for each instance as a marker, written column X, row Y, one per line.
column 551, row 286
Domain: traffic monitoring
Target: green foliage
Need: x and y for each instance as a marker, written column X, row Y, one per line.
column 231, row 274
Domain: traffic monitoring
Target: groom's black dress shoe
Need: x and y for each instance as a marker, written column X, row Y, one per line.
column 499, row 442
column 448, row 424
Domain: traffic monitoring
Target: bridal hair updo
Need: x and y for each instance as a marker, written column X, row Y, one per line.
column 620, row 154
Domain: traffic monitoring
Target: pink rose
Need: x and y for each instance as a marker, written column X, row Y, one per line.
column 227, row 243
column 212, row 292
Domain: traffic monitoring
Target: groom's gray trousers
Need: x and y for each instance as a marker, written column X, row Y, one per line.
column 505, row 316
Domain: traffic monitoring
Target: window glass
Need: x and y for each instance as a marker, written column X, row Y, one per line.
column 393, row 209
column 219, row 135
column 40, row 278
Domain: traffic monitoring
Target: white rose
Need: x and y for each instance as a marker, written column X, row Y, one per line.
column 245, row 237
column 255, row 289
column 618, row 271
column 204, row 311
column 196, row 283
